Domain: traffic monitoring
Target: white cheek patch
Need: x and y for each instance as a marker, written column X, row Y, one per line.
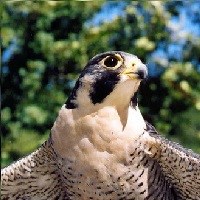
column 83, row 95
column 87, row 79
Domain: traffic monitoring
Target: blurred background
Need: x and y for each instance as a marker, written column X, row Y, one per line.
column 45, row 44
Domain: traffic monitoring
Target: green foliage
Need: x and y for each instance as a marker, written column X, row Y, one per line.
column 51, row 41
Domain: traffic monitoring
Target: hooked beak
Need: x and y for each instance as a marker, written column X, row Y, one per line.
column 136, row 72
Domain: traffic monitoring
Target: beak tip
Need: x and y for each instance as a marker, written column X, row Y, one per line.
column 142, row 73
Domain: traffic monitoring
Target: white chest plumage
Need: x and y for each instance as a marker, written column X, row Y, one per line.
column 97, row 154
column 101, row 130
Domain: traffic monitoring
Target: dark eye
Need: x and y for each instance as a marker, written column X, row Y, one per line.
column 111, row 61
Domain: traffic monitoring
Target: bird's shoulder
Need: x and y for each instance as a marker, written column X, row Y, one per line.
column 163, row 141
column 180, row 166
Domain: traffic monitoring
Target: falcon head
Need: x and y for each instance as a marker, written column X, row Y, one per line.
column 110, row 78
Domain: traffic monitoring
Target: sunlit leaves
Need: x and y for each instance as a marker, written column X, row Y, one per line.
column 184, row 82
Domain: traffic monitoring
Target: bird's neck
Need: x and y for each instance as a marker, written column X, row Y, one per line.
column 119, row 99
column 108, row 120
column 88, row 109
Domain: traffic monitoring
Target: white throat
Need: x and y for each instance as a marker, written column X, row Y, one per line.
column 117, row 99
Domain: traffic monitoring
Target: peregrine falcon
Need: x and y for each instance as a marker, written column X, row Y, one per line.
column 101, row 148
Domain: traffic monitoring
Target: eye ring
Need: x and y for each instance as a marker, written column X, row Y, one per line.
column 111, row 61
